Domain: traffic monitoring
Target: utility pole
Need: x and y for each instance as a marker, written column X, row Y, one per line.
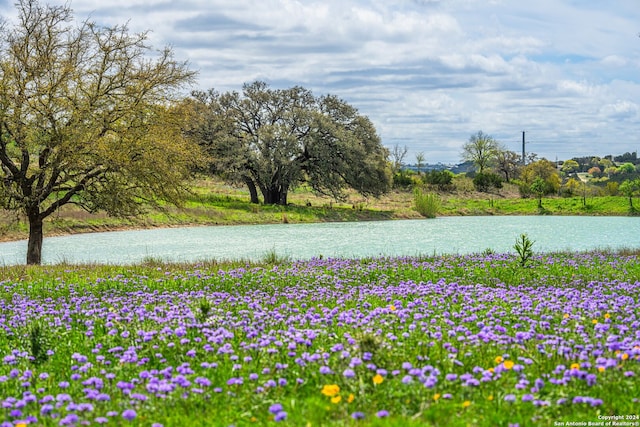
column 524, row 161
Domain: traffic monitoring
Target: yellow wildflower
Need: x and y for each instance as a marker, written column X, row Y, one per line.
column 499, row 360
column 607, row 316
column 575, row 366
column 601, row 368
column 436, row 396
column 350, row 398
column 336, row 399
column 566, row 315
column 392, row 307
column 594, row 321
column 490, row 397
column 491, row 370
column 508, row 364
column 624, row 356
column 466, row 403
column 378, row 379
column 330, row 390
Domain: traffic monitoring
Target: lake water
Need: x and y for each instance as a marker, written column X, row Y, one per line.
column 459, row 235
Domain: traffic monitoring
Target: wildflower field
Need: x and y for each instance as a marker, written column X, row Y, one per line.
column 484, row 339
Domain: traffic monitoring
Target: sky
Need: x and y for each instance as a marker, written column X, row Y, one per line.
column 428, row 73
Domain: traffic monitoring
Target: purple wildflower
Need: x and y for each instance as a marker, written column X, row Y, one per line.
column 357, row 415
column 129, row 414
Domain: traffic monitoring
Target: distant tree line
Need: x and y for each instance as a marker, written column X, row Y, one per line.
column 488, row 165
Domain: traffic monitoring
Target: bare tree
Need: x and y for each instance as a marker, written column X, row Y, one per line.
column 420, row 161
column 507, row 163
column 398, row 155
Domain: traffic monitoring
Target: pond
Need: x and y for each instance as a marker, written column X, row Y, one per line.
column 451, row 235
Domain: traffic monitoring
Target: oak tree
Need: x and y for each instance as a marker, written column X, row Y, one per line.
column 272, row 140
column 85, row 119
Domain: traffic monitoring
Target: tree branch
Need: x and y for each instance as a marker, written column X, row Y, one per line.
column 72, row 192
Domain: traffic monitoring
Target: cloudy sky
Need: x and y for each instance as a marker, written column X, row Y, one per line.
column 428, row 73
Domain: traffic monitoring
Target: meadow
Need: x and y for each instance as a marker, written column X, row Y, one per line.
column 485, row 339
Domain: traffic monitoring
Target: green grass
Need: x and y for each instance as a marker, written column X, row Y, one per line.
column 102, row 329
column 492, row 205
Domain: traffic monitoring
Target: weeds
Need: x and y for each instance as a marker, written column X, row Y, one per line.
column 271, row 257
column 524, row 249
column 427, row 204
column 39, row 342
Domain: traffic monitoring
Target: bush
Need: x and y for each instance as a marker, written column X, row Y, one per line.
column 402, row 179
column 485, row 181
column 462, row 183
column 427, row 204
column 523, row 188
column 441, row 179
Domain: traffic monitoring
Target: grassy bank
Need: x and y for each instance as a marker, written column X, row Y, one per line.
column 457, row 340
column 214, row 203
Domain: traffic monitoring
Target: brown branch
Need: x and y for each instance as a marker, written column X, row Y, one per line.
column 72, row 192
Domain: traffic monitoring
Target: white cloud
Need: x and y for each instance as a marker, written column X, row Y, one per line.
column 429, row 73
column 621, row 110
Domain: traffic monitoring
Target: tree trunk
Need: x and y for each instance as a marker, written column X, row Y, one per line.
column 273, row 195
column 34, row 246
column 252, row 189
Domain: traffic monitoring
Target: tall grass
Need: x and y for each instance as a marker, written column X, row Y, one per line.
column 427, row 204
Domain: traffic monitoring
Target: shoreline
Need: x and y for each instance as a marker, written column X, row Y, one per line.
column 17, row 237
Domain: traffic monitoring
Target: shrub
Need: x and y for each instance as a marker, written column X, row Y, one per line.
column 402, row 179
column 523, row 188
column 462, row 183
column 427, row 204
column 441, row 179
column 486, row 181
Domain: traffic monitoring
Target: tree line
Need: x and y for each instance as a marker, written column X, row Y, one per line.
column 493, row 165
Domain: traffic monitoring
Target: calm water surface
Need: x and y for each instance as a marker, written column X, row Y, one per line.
column 353, row 239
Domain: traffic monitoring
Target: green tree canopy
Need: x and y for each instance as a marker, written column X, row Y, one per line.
column 84, row 119
column 627, row 168
column 539, row 188
column 272, row 140
column 546, row 171
column 630, row 188
column 481, row 149
column 570, row 166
